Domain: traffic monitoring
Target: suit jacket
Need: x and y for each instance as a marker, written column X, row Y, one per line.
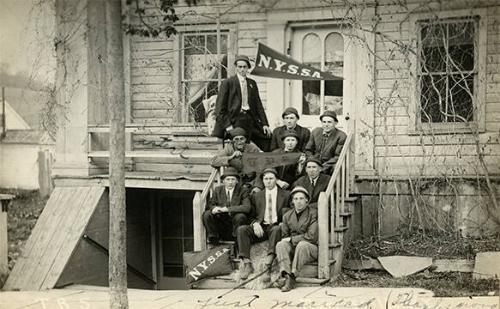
column 327, row 152
column 222, row 157
column 303, row 133
column 228, row 105
column 302, row 227
column 321, row 185
column 258, row 201
column 240, row 200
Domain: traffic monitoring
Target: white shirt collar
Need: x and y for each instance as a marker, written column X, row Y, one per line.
column 272, row 191
column 241, row 78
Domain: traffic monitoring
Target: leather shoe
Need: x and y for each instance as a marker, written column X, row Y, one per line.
column 280, row 282
column 245, row 270
column 289, row 283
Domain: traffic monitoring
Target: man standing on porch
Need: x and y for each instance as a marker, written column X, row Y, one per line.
column 326, row 142
column 238, row 105
column 228, row 208
column 269, row 205
column 290, row 117
column 300, row 238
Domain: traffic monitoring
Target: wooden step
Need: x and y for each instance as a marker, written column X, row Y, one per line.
column 351, row 199
column 226, row 282
column 345, row 214
column 334, row 244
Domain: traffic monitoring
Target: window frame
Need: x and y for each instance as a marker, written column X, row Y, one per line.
column 182, row 113
column 480, row 36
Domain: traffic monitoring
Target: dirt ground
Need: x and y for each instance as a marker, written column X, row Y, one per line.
column 23, row 212
column 427, row 244
column 27, row 206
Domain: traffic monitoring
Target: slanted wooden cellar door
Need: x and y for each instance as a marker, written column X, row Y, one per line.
column 174, row 236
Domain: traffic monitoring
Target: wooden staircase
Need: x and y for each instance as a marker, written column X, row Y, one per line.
column 335, row 212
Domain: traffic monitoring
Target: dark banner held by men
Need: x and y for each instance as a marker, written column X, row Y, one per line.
column 270, row 63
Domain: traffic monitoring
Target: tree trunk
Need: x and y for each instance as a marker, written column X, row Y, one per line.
column 117, row 210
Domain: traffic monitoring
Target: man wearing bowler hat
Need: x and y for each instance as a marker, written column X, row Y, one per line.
column 238, row 105
column 326, row 142
column 290, row 117
column 228, row 208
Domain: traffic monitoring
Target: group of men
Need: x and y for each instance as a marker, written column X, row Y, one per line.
column 277, row 204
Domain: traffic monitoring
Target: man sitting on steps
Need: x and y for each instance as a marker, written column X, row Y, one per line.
column 269, row 205
column 299, row 232
column 228, row 208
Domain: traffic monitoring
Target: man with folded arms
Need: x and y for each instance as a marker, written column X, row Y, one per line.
column 299, row 232
column 228, row 208
column 290, row 117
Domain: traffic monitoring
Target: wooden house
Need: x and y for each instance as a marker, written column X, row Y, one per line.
column 419, row 100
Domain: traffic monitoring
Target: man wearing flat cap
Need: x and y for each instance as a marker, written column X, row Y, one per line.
column 290, row 117
column 299, row 243
column 228, row 208
column 268, row 207
column 232, row 153
column 313, row 181
column 326, row 142
column 238, row 105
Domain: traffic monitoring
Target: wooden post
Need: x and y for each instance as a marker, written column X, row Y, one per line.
column 323, row 245
column 4, row 117
column 4, row 247
column 117, row 209
column 197, row 224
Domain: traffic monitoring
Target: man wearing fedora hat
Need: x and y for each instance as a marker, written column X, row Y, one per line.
column 299, row 232
column 227, row 209
column 238, row 105
column 313, row 181
column 290, row 117
column 326, row 142
column 268, row 207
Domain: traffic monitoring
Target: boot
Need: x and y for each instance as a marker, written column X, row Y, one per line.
column 266, row 277
column 289, row 283
column 245, row 270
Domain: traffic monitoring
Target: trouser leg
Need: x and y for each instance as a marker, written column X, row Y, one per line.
column 210, row 223
column 284, row 254
column 238, row 220
column 245, row 237
column 305, row 252
column 273, row 233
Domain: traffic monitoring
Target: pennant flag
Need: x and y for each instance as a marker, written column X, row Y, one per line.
column 258, row 161
column 270, row 63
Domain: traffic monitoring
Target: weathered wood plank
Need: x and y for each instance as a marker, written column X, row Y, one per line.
column 50, row 210
column 69, row 240
column 48, row 251
column 174, row 168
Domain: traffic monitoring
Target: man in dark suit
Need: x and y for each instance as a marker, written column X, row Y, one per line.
column 268, row 207
column 227, row 209
column 326, row 142
column 238, row 105
column 299, row 243
column 314, row 181
column 290, row 117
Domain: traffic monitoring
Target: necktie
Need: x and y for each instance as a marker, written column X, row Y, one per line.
column 244, row 95
column 228, row 202
column 313, row 183
column 269, row 209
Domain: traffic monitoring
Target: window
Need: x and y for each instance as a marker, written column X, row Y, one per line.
column 328, row 56
column 202, row 71
column 449, row 69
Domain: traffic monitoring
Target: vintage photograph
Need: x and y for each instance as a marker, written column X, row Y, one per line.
column 250, row 154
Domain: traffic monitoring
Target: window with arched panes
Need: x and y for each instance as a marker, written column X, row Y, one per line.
column 322, row 49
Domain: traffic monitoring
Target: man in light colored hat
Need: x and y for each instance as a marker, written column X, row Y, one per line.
column 326, row 142
column 232, row 155
column 290, row 117
column 299, row 243
column 228, row 208
column 268, row 207
column 239, row 105
column 313, row 181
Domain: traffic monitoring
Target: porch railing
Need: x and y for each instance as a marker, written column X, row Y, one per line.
column 330, row 204
column 199, row 204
